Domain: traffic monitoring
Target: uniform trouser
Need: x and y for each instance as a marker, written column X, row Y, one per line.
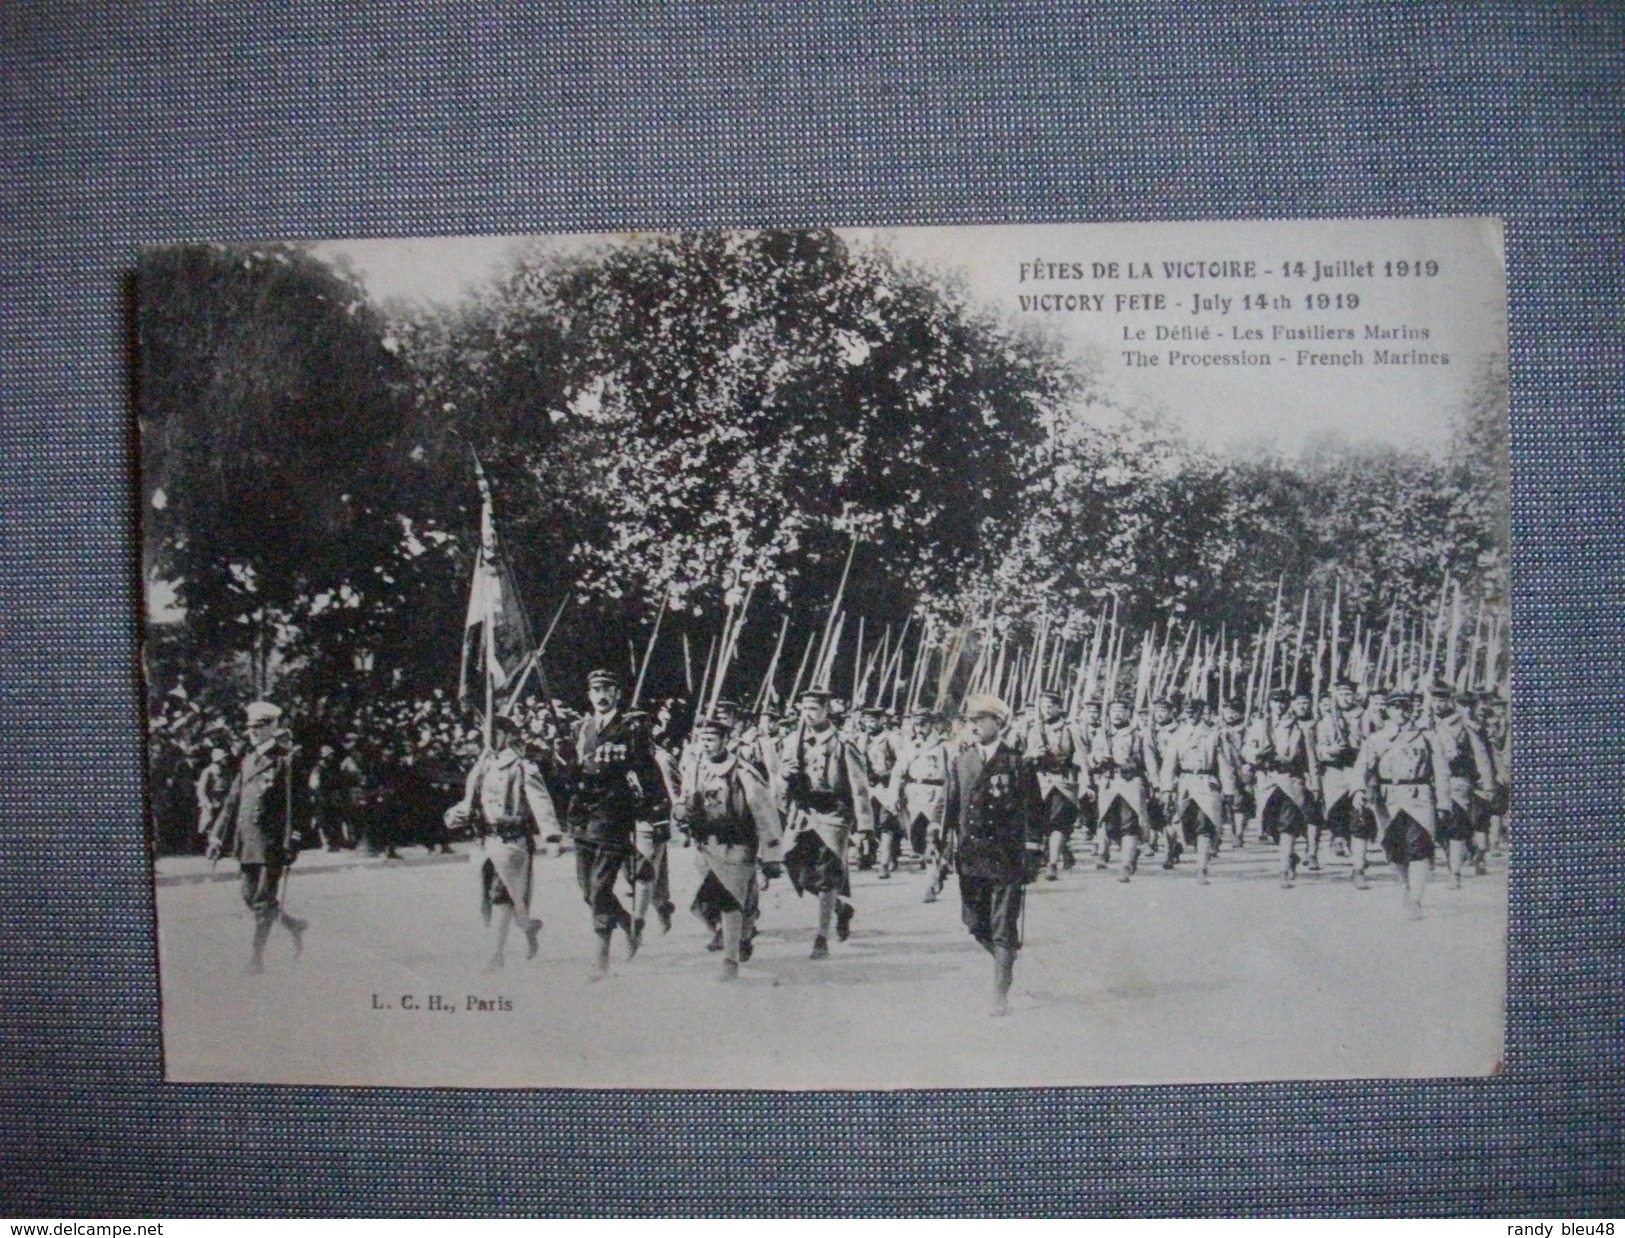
column 506, row 873
column 1121, row 820
column 1406, row 839
column 991, row 910
column 597, row 863
column 1279, row 815
column 260, row 886
column 649, row 862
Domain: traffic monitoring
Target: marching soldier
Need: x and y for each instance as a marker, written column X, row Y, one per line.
column 1120, row 761
column 1233, row 727
column 1083, row 740
column 255, row 823
column 1159, row 737
column 880, row 751
column 1337, row 745
column 1465, row 821
column 1279, row 748
column 918, row 780
column 992, row 806
column 507, row 804
column 1406, row 776
column 210, row 788
column 1047, row 742
column 647, row 866
column 1198, row 779
column 824, row 794
column 728, row 810
column 616, row 783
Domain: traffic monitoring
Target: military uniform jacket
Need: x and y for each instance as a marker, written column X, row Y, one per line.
column 729, row 801
column 615, row 780
column 1337, row 745
column 1119, row 758
column 1053, row 752
column 1468, row 756
column 994, row 805
column 504, row 795
column 1199, row 769
column 1405, row 770
column 881, row 753
column 822, row 782
column 919, row 781
column 1282, row 753
column 255, row 821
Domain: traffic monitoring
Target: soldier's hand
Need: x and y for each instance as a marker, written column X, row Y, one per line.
column 771, row 870
column 213, row 851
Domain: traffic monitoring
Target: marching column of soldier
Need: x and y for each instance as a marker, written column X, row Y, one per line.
column 990, row 799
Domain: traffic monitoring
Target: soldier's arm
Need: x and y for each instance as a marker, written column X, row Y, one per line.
column 457, row 815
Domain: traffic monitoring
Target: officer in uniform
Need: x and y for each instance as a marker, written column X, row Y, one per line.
column 1337, row 744
column 1407, row 777
column 1466, row 821
column 508, row 806
column 615, row 784
column 1198, row 779
column 992, row 805
column 1278, row 748
column 1119, row 759
column 255, row 823
column 918, row 780
column 728, row 810
column 823, row 795
column 1047, row 742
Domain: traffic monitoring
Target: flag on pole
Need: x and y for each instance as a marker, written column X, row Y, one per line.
column 496, row 635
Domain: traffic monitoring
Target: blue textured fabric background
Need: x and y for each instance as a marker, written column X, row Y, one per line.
column 124, row 124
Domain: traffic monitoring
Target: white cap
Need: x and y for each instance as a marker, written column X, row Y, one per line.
column 262, row 711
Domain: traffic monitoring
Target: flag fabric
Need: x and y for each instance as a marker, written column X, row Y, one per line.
column 496, row 635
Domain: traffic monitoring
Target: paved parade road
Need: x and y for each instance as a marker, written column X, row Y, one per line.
column 1160, row 980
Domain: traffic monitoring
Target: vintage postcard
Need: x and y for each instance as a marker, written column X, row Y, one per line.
column 1019, row 656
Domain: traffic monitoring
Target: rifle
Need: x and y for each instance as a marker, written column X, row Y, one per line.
column 648, row 651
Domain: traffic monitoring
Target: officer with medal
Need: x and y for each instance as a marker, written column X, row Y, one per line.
column 255, row 824
column 615, row 783
column 727, row 809
column 823, row 795
column 992, row 807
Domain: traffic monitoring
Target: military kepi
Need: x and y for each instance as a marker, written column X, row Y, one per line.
column 261, row 711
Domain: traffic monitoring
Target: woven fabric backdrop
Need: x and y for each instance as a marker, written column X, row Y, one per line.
column 123, row 124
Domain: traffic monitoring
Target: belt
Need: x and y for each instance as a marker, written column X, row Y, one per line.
column 1407, row 782
column 1341, row 764
column 927, row 782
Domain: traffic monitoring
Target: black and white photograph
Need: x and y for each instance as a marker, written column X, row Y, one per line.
column 837, row 658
